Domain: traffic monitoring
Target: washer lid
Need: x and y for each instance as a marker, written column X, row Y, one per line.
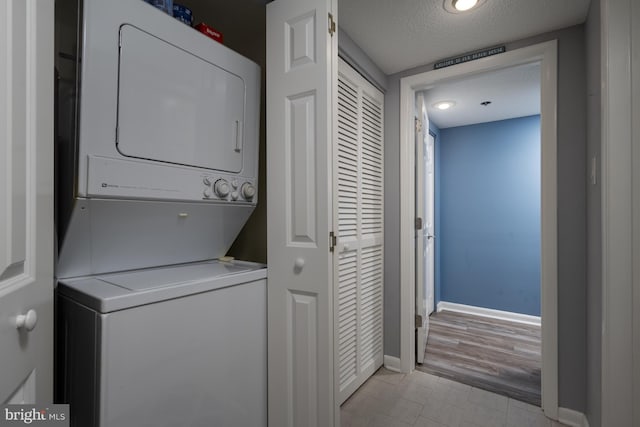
column 119, row 291
column 154, row 278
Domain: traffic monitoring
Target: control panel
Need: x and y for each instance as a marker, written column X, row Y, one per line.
column 141, row 179
column 228, row 188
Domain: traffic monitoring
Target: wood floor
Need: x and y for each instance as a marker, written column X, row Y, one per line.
column 495, row 355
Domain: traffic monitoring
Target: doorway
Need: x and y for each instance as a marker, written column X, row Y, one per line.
column 486, row 331
column 545, row 54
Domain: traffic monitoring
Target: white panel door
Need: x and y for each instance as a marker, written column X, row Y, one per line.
column 429, row 221
column 358, row 213
column 26, row 201
column 424, row 227
column 301, row 82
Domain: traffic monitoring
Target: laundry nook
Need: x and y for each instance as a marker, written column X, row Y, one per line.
column 157, row 174
column 319, row 213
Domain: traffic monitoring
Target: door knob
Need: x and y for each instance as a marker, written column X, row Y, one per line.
column 27, row 321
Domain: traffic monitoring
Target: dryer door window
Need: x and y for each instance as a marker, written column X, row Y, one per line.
column 175, row 107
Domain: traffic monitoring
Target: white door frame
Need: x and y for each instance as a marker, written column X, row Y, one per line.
column 546, row 54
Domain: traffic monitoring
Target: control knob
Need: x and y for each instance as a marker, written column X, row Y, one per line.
column 248, row 190
column 221, row 188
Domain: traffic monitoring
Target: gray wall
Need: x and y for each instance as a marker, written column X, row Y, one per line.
column 571, row 212
column 594, row 219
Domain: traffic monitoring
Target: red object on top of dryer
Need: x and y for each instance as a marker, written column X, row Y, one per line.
column 209, row 31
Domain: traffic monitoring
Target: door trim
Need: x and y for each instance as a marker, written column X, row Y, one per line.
column 546, row 54
column 620, row 363
column 422, row 129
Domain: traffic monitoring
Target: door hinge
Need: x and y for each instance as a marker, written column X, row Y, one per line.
column 418, row 223
column 419, row 321
column 333, row 240
column 418, row 125
column 332, row 25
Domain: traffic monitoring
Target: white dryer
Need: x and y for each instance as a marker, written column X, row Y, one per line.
column 157, row 141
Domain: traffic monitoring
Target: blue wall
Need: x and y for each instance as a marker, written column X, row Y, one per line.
column 489, row 216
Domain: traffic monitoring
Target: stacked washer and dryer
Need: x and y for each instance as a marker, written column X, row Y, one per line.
column 157, row 161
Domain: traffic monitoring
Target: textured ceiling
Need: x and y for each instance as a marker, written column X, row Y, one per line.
column 513, row 92
column 401, row 34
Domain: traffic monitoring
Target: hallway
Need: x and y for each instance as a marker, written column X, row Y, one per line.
column 496, row 355
column 418, row 399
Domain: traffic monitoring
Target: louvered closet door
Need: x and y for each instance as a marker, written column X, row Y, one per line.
column 358, row 210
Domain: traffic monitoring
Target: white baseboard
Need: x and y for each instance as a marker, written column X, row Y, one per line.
column 572, row 418
column 489, row 312
column 392, row 363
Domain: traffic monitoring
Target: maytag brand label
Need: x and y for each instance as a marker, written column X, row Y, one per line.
column 34, row 415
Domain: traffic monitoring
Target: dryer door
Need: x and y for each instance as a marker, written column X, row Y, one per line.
column 175, row 107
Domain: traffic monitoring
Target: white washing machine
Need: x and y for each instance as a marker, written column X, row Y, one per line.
column 181, row 345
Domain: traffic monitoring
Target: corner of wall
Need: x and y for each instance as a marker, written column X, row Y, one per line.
column 392, row 363
column 572, row 418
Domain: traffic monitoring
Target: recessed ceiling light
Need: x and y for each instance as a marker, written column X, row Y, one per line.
column 463, row 5
column 444, row 105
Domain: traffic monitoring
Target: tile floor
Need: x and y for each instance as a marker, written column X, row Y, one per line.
column 418, row 399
